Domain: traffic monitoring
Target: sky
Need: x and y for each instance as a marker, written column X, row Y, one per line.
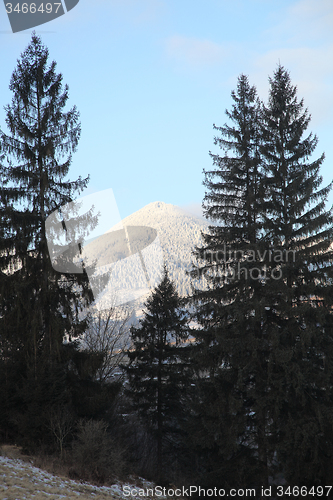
column 151, row 77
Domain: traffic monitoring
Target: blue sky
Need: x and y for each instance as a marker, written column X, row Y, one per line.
column 150, row 77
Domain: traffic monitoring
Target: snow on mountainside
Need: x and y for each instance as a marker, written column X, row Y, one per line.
column 158, row 232
column 179, row 232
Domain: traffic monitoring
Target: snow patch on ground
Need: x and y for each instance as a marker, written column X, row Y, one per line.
column 20, row 480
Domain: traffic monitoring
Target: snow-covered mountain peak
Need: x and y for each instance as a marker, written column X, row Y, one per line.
column 157, row 233
column 157, row 213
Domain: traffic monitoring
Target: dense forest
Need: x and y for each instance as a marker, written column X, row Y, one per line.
column 228, row 387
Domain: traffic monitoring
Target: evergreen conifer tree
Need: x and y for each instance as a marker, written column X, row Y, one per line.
column 157, row 360
column 233, row 188
column 264, row 349
column 38, row 150
column 228, row 309
column 298, row 317
column 39, row 306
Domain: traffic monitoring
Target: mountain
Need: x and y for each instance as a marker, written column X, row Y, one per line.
column 134, row 251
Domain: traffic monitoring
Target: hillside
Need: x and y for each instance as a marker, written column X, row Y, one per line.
column 21, row 480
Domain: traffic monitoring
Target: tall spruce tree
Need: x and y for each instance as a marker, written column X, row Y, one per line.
column 156, row 371
column 265, row 348
column 233, row 189
column 39, row 307
column 298, row 319
column 230, row 345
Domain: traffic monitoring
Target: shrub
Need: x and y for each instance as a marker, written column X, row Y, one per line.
column 95, row 454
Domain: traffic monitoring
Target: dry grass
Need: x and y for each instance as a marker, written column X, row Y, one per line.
column 20, row 479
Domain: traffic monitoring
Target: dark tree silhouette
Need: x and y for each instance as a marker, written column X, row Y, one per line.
column 39, row 307
column 156, row 370
column 264, row 347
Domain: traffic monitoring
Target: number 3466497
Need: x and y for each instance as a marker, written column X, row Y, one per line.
column 32, row 8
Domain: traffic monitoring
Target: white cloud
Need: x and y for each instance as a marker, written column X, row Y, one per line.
column 303, row 21
column 306, row 50
column 299, row 36
column 308, row 64
column 194, row 52
column 318, row 14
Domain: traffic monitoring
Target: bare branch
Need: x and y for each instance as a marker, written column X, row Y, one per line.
column 109, row 332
